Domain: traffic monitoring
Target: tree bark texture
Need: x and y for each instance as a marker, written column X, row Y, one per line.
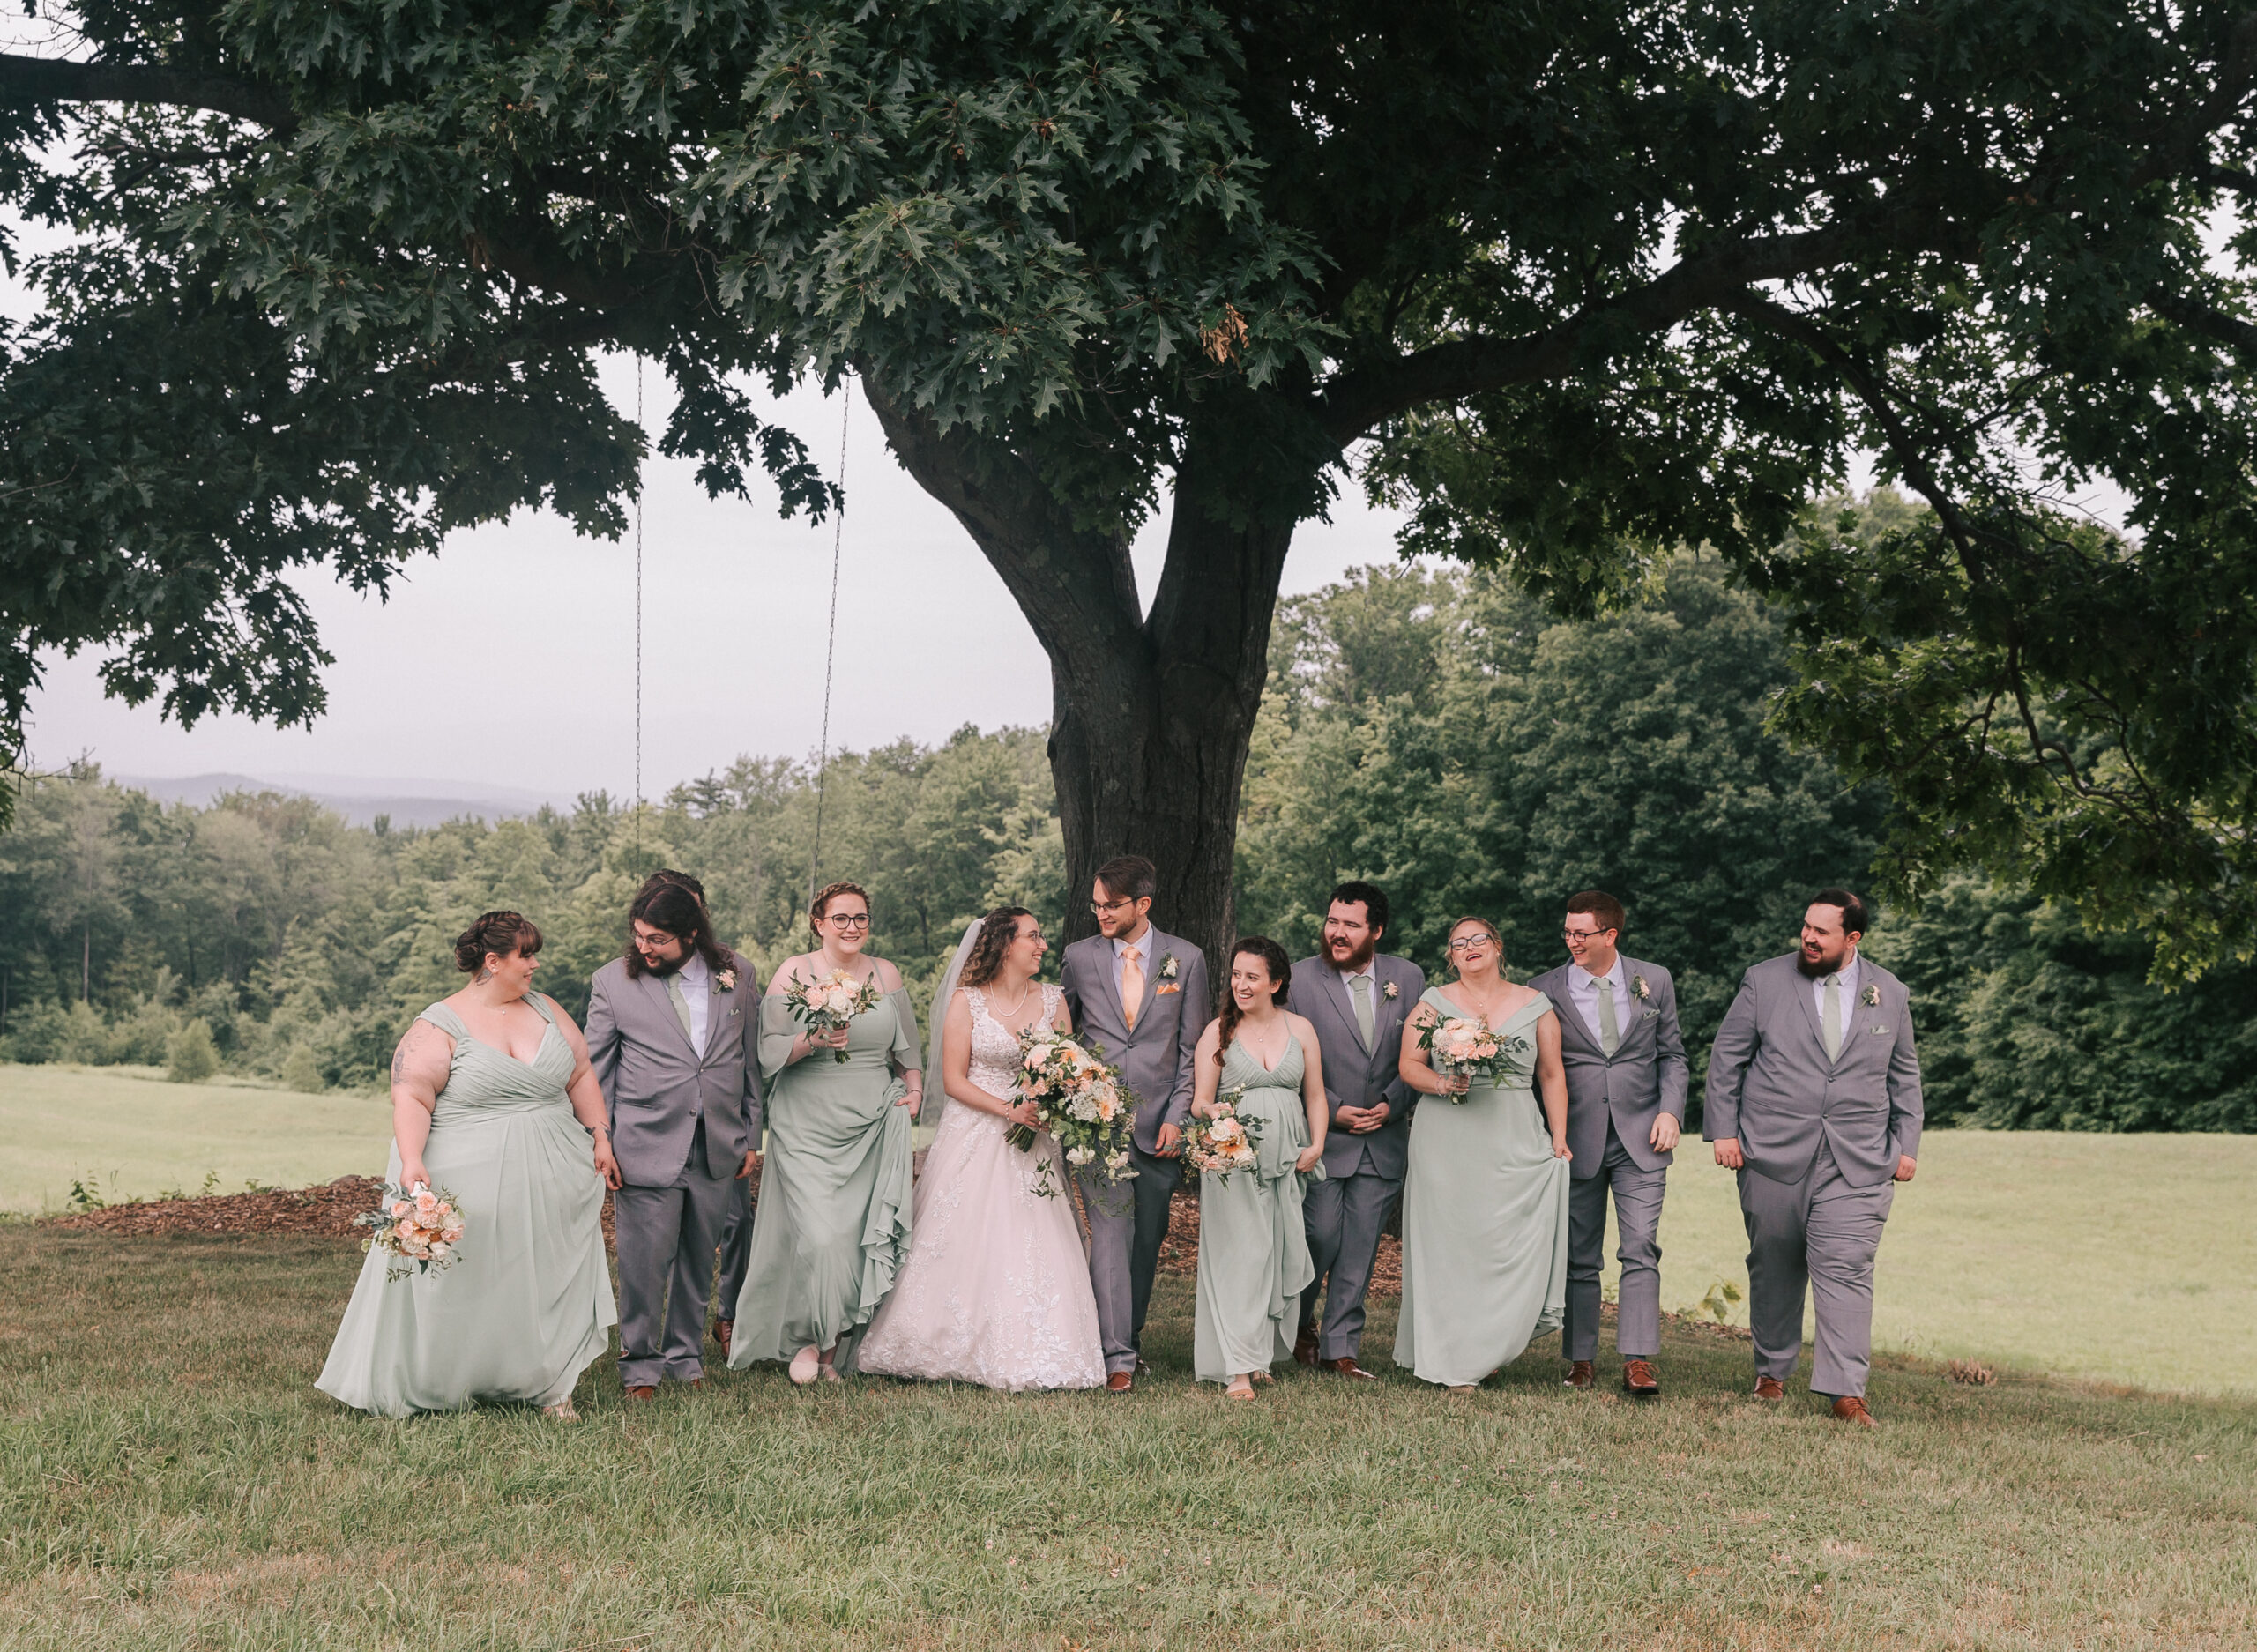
column 1151, row 714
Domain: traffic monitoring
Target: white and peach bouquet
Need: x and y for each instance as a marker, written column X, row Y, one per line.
column 1466, row 1046
column 419, row 1228
column 1081, row 1101
column 1218, row 1146
column 831, row 1001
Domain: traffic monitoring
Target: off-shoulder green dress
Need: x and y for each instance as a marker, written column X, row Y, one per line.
column 1254, row 1260
column 831, row 1226
column 1484, row 1222
column 527, row 1305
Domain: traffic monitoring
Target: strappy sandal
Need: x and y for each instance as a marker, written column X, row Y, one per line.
column 562, row 1412
column 1234, row 1392
column 1262, row 1379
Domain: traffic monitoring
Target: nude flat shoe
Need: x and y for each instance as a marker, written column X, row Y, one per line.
column 1234, row 1392
column 805, row 1364
column 562, row 1412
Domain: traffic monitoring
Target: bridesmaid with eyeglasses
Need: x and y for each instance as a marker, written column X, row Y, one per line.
column 831, row 1228
column 1485, row 1197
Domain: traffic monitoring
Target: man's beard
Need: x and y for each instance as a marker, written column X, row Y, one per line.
column 663, row 967
column 1819, row 971
column 1355, row 960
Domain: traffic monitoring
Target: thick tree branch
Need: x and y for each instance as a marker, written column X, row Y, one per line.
column 2216, row 324
column 27, row 80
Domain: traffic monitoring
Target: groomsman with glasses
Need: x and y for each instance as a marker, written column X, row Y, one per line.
column 1356, row 998
column 1627, row 1081
column 1814, row 1098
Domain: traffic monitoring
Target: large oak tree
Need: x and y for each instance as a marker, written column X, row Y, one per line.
column 1576, row 283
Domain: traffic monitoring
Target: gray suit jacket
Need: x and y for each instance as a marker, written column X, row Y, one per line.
column 656, row 1086
column 1156, row 1059
column 1646, row 1076
column 1771, row 1086
column 1355, row 1076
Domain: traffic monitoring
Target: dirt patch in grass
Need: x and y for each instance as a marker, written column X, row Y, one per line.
column 326, row 1209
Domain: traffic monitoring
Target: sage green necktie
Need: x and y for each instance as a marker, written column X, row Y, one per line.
column 1831, row 1018
column 681, row 1008
column 1359, row 990
column 1610, row 1030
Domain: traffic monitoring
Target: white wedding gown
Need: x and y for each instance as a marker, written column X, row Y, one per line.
column 997, row 1288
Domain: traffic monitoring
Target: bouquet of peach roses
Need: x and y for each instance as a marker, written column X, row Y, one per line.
column 1465, row 1046
column 1081, row 1101
column 418, row 1227
column 1218, row 1146
column 831, row 1001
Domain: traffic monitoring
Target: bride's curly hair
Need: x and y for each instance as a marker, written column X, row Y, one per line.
column 997, row 931
column 1281, row 975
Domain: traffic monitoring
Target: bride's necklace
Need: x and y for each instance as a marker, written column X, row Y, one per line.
column 1025, row 992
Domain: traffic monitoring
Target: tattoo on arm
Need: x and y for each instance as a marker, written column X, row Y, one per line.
column 399, row 1061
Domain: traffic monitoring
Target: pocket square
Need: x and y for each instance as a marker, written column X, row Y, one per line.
column 1877, row 1029
column 1165, row 988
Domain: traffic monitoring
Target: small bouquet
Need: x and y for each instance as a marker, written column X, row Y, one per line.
column 831, row 1001
column 419, row 1228
column 1082, row 1103
column 1218, row 1146
column 1465, row 1046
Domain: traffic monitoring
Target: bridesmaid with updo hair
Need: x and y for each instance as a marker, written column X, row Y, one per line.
column 494, row 1101
column 831, row 1226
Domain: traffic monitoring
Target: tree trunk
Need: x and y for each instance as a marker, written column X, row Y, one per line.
column 1151, row 716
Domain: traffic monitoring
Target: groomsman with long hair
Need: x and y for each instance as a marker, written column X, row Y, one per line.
column 672, row 1034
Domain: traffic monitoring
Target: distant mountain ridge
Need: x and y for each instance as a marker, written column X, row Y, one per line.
column 405, row 802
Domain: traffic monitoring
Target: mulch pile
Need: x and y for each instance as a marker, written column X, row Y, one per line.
column 1180, row 1250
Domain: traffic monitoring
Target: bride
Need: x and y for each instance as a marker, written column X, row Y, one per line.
column 997, row 1288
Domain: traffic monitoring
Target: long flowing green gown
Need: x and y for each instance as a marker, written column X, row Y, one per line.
column 1254, row 1260
column 1485, row 1223
column 831, row 1228
column 527, row 1305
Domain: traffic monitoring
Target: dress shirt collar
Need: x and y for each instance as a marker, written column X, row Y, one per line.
column 693, row 970
column 1585, row 981
column 1142, row 941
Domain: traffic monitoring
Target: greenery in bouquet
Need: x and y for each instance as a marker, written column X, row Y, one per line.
column 829, row 1001
column 1218, row 1146
column 420, row 1228
column 1081, row 1102
column 1466, row 1046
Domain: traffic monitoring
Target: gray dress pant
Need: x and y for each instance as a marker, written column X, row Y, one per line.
column 1821, row 1233
column 1127, row 1224
column 736, row 1250
column 1637, row 1220
column 666, row 1239
column 1343, row 1219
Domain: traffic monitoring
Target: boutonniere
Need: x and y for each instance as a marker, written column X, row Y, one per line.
column 1168, row 966
column 1870, row 997
column 725, row 980
column 1639, row 990
column 1391, row 992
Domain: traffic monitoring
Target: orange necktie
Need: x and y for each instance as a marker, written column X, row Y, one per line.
column 1132, row 987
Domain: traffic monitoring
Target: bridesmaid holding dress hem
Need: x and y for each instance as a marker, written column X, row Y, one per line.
column 830, row 1229
column 1254, row 1260
column 494, row 1100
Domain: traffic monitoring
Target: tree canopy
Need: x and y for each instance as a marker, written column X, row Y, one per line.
column 1575, row 285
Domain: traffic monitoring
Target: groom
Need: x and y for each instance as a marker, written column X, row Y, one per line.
column 1814, row 1098
column 1142, row 994
column 1626, row 1071
column 672, row 1033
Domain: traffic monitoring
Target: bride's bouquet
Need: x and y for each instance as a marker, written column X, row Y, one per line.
column 1218, row 1146
column 418, row 1227
column 1465, row 1046
column 831, row 1001
column 1081, row 1102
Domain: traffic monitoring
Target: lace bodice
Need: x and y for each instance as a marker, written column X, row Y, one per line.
column 995, row 1047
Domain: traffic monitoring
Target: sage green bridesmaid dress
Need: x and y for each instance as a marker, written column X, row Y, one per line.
column 1254, row 1260
column 527, row 1305
column 831, row 1226
column 1485, row 1223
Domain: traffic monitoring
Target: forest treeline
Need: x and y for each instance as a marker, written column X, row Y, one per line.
column 1437, row 731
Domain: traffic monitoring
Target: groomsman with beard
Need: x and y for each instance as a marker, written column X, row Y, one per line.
column 1357, row 999
column 1814, row 1098
column 1627, row 1079
column 1142, row 995
column 673, row 1031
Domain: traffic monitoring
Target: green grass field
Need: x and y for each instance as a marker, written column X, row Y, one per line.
column 137, row 1135
column 169, row 1479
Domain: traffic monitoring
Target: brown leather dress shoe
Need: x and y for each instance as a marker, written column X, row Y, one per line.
column 1579, row 1375
column 697, row 1382
column 1851, row 1409
column 1639, row 1380
column 644, row 1391
column 1346, row 1366
column 1119, row 1383
column 1770, row 1389
column 1305, row 1346
column 724, row 1329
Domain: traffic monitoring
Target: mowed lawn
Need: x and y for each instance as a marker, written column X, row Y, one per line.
column 168, row 1479
column 2125, row 1258
column 130, row 1134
